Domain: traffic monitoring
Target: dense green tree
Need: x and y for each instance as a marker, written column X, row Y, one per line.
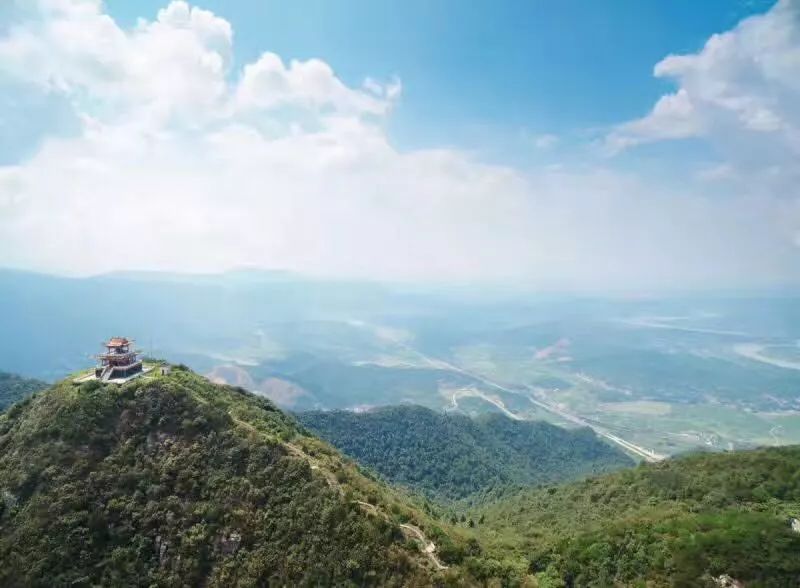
column 449, row 456
column 14, row 388
column 682, row 522
column 174, row 481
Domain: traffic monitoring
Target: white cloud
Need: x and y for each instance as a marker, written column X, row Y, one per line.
column 183, row 163
column 308, row 85
column 717, row 173
column 742, row 87
column 673, row 117
column 540, row 141
column 545, row 141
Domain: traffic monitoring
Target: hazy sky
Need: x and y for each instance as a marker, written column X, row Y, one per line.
column 567, row 144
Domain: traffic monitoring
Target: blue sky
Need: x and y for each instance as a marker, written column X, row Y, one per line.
column 568, row 145
column 481, row 71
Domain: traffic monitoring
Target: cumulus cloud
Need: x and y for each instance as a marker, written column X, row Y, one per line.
column 744, row 85
column 309, row 85
column 741, row 95
column 181, row 162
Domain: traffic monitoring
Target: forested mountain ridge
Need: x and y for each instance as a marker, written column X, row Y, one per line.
column 684, row 522
column 14, row 388
column 451, row 456
column 171, row 480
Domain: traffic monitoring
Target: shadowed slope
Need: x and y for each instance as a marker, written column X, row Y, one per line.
column 454, row 456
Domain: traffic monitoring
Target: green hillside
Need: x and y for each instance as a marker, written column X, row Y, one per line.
column 678, row 523
column 14, row 388
column 173, row 481
column 454, row 456
column 170, row 480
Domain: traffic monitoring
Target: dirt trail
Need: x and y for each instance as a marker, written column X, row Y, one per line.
column 371, row 509
column 330, row 478
column 243, row 424
column 412, row 531
column 428, row 547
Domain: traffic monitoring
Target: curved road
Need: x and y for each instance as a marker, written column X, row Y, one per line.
column 642, row 452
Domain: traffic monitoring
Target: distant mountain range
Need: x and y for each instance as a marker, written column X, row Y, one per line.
column 14, row 388
column 453, row 456
column 308, row 344
column 51, row 325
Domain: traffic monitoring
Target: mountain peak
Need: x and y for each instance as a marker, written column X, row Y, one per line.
column 175, row 480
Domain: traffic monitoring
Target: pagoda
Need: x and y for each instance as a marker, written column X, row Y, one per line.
column 119, row 362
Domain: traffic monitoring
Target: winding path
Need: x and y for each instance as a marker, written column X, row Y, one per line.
column 428, row 547
column 642, row 452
